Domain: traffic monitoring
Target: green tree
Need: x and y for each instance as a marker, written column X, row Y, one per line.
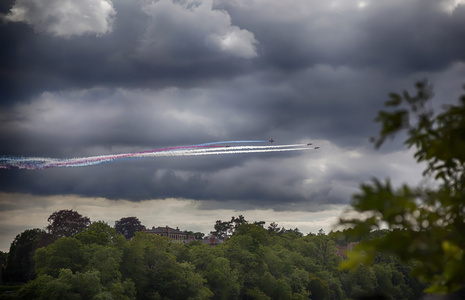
column 222, row 229
column 128, row 226
column 90, row 259
column 318, row 288
column 104, row 259
column 201, row 255
column 334, row 283
column 3, row 257
column 256, row 294
column 33, row 289
column 64, row 253
column 299, row 280
column 222, row 280
column 258, row 234
column 426, row 225
column 197, row 235
column 325, row 251
column 236, row 222
column 391, row 283
column 360, row 282
column 102, row 234
column 149, row 263
column 66, row 223
column 74, row 286
column 321, row 249
column 19, row 266
column 273, row 227
column 273, row 287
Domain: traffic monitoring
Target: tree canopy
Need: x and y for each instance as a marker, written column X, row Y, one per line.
column 19, row 266
column 254, row 263
column 66, row 223
column 128, row 226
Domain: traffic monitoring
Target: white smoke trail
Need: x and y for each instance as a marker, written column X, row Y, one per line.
column 241, row 151
column 227, row 150
column 42, row 163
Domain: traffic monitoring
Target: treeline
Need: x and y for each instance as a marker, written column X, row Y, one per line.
column 97, row 262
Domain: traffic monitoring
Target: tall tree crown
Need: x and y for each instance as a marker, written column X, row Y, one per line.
column 66, row 223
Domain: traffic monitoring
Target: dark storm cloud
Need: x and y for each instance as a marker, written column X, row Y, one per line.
column 150, row 45
column 395, row 36
column 154, row 44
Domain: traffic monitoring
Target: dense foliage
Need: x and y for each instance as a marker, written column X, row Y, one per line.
column 66, row 223
column 254, row 263
column 426, row 224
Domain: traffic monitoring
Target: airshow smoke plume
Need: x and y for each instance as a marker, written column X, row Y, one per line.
column 215, row 148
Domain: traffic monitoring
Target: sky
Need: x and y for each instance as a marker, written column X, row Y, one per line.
column 97, row 77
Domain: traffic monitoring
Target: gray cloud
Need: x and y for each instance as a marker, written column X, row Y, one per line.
column 179, row 33
column 185, row 43
column 140, row 51
column 396, row 36
column 64, row 18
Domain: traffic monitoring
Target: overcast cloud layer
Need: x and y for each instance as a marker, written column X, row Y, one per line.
column 81, row 78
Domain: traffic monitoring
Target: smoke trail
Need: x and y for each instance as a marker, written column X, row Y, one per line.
column 232, row 142
column 222, row 148
column 229, row 151
column 214, row 148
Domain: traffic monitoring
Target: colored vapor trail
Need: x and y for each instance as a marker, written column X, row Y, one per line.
column 215, row 148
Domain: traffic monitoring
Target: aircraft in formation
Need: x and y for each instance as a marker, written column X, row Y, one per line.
column 309, row 144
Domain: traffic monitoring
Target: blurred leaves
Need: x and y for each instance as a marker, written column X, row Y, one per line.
column 425, row 225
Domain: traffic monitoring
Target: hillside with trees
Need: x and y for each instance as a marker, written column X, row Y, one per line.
column 254, row 262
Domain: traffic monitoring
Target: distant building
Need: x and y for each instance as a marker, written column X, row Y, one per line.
column 190, row 238
column 182, row 236
column 351, row 246
column 174, row 234
column 342, row 250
